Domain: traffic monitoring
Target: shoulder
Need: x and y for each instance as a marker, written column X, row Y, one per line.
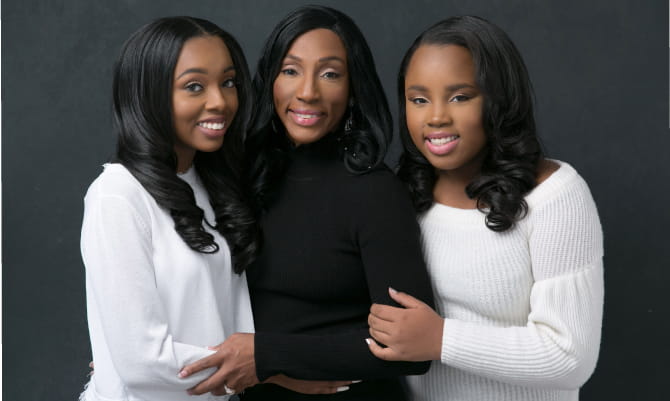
column 563, row 199
column 557, row 180
column 380, row 178
column 116, row 182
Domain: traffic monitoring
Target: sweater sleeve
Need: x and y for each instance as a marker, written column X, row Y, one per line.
column 117, row 252
column 388, row 238
column 558, row 347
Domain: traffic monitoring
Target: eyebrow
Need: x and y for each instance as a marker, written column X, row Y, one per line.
column 450, row 88
column 321, row 60
column 202, row 71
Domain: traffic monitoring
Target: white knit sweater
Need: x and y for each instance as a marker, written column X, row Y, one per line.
column 523, row 308
column 154, row 305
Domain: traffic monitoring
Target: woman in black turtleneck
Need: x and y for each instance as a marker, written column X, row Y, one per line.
column 338, row 227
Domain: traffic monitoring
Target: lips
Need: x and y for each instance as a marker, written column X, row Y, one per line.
column 306, row 118
column 441, row 143
column 213, row 127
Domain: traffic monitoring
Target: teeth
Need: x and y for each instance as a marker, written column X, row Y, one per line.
column 305, row 115
column 213, row 125
column 443, row 140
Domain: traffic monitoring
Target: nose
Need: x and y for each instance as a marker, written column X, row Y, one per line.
column 439, row 116
column 308, row 90
column 216, row 101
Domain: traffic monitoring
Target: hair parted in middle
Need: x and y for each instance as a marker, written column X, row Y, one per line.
column 371, row 130
column 513, row 150
column 142, row 117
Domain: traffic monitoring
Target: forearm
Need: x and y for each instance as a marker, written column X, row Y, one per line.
column 325, row 357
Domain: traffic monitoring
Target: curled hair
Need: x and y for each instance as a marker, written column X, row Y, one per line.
column 512, row 151
column 370, row 136
column 142, row 117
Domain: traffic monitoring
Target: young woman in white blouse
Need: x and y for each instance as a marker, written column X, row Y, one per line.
column 166, row 233
column 512, row 240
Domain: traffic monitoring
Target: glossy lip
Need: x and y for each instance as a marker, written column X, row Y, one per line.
column 316, row 116
column 213, row 133
column 441, row 150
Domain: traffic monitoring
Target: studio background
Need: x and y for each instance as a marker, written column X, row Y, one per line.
column 600, row 73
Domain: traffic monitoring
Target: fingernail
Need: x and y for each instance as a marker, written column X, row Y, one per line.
column 369, row 341
column 190, row 392
column 182, row 374
column 392, row 290
column 211, row 348
column 356, row 381
column 343, row 388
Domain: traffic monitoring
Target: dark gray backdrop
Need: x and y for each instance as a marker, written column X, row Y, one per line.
column 600, row 74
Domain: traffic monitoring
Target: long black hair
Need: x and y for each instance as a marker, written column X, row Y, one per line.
column 367, row 141
column 513, row 150
column 142, row 93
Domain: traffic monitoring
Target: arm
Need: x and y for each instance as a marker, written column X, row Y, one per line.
column 559, row 345
column 117, row 252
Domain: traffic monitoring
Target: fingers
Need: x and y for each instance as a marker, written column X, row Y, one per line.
column 386, row 354
column 385, row 312
column 212, row 383
column 201, row 364
column 378, row 324
column 405, row 300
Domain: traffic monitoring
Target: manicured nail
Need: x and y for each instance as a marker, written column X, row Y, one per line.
column 392, row 290
column 356, row 381
column 369, row 341
column 343, row 388
column 182, row 374
column 211, row 348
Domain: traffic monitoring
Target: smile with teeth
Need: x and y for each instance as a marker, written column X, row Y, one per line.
column 214, row 126
column 442, row 140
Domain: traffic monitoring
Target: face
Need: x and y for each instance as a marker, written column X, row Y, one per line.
column 204, row 97
column 312, row 89
column 444, row 108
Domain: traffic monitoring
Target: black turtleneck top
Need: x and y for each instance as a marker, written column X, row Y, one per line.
column 333, row 244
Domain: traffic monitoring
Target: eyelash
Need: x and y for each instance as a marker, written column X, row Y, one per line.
column 456, row 99
column 327, row 75
column 197, row 87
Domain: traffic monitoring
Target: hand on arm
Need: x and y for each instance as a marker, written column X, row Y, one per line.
column 235, row 363
column 412, row 333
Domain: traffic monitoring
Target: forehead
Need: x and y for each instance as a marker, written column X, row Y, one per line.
column 206, row 52
column 316, row 44
column 441, row 62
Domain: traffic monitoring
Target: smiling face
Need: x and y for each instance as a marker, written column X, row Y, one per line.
column 444, row 109
column 312, row 89
column 204, row 97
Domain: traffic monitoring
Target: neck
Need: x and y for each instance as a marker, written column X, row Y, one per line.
column 184, row 158
column 450, row 185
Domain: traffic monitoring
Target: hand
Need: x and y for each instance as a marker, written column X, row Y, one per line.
column 410, row 334
column 92, row 366
column 234, row 359
column 311, row 386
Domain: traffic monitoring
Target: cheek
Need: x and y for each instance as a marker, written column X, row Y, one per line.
column 414, row 125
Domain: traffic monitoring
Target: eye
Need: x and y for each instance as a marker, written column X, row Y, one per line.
column 193, row 87
column 418, row 100
column 229, row 83
column 330, row 75
column 459, row 98
column 289, row 71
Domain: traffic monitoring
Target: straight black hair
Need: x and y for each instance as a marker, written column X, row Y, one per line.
column 513, row 150
column 142, row 111
column 370, row 135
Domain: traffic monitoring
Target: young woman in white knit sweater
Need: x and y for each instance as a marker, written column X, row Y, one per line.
column 512, row 240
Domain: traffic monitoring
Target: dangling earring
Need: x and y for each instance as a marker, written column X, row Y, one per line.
column 350, row 120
